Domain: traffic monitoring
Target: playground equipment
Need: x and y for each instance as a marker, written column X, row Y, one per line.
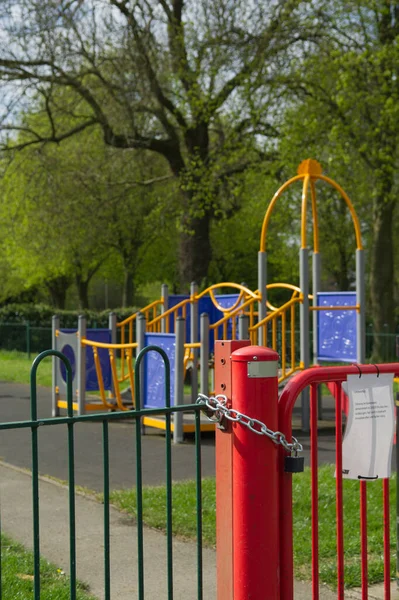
column 186, row 326
column 94, row 356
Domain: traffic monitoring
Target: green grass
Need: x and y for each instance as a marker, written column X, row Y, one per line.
column 17, row 576
column 184, row 511
column 327, row 522
column 15, row 367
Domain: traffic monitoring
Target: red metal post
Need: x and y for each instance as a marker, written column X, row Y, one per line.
column 224, row 473
column 315, row 490
column 339, row 492
column 255, row 481
column 363, row 538
column 387, row 548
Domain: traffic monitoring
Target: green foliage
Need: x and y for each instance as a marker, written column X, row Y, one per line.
column 347, row 99
column 236, row 241
column 40, row 315
column 194, row 83
column 69, row 209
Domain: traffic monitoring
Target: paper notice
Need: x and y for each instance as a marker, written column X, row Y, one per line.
column 367, row 444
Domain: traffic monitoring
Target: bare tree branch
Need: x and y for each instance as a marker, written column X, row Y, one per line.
column 44, row 139
column 152, row 78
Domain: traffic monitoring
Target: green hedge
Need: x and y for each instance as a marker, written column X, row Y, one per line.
column 39, row 315
column 27, row 327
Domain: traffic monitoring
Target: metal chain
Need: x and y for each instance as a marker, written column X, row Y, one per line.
column 216, row 409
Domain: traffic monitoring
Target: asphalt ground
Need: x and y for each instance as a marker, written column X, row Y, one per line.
column 15, row 445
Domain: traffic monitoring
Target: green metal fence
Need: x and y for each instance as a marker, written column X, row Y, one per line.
column 24, row 337
column 69, row 421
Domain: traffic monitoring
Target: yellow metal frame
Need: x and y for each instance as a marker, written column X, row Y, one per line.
column 149, row 312
column 127, row 353
column 309, row 171
column 187, row 427
column 286, row 312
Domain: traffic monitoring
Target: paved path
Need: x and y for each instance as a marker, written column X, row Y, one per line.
column 15, row 484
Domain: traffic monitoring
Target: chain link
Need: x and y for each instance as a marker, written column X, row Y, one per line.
column 216, row 409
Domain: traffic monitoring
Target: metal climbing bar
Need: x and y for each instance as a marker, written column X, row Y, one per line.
column 126, row 326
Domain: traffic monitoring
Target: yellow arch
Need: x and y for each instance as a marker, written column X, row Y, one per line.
column 244, row 291
column 309, row 171
column 269, row 211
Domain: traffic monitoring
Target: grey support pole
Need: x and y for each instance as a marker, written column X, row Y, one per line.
column 81, row 366
column 179, row 380
column 204, row 357
column 262, row 282
column 194, row 338
column 165, row 305
column 304, row 330
column 112, row 328
column 361, row 313
column 316, row 287
column 140, row 333
column 55, row 325
column 243, row 327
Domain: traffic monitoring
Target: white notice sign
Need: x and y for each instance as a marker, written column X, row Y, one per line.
column 367, row 444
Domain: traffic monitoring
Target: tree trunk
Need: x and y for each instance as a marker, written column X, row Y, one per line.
column 194, row 251
column 83, row 292
column 128, row 289
column 382, row 276
column 57, row 289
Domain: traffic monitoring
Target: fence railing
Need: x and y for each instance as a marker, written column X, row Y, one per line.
column 24, row 337
column 314, row 378
column 69, row 421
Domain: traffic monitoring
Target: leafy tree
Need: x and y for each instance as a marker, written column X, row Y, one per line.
column 164, row 76
column 349, row 97
column 236, row 241
column 70, row 207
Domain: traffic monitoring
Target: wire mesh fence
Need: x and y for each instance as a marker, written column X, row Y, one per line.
column 24, row 337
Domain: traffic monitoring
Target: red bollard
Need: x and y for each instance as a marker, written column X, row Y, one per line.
column 256, row 567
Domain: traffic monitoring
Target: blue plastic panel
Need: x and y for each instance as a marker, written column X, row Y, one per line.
column 205, row 305
column 336, row 329
column 95, row 335
column 226, row 301
column 154, row 369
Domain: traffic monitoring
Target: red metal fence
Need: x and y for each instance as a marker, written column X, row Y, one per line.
column 254, row 493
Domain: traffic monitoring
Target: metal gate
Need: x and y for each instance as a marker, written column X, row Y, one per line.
column 69, row 421
column 314, row 378
column 254, row 483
